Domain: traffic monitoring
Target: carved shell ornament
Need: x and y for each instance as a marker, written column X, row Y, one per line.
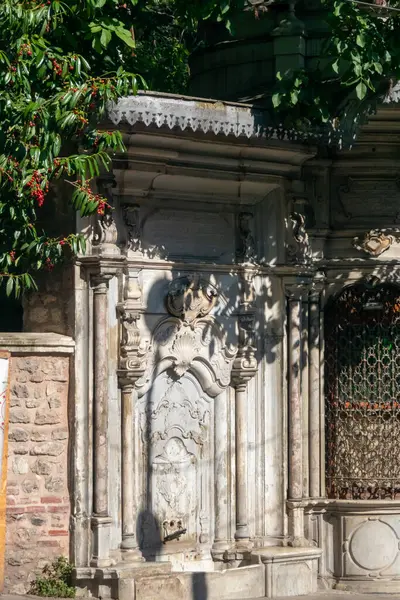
column 374, row 242
column 185, row 350
column 190, row 299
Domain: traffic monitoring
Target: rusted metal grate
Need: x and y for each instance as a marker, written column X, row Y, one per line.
column 362, row 393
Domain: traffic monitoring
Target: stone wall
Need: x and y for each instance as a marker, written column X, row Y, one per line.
column 38, row 504
column 51, row 308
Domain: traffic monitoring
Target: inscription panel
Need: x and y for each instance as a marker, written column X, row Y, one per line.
column 172, row 234
column 366, row 201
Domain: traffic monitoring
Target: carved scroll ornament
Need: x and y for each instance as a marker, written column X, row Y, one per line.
column 298, row 247
column 133, row 349
column 190, row 299
column 374, row 242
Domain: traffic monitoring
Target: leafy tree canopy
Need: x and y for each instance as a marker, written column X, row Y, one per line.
column 62, row 61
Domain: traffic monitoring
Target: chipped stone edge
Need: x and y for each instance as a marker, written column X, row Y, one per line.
column 37, row 343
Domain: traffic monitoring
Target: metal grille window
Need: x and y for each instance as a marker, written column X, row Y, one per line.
column 362, row 395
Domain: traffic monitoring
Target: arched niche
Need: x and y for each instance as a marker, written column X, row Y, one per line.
column 188, row 366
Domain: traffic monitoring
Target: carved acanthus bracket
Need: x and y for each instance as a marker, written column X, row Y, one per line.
column 131, row 217
column 374, row 242
column 133, row 349
column 245, row 252
column 298, row 247
column 190, row 299
column 105, row 234
column 245, row 363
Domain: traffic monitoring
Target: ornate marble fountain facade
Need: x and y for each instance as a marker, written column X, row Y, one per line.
column 201, row 424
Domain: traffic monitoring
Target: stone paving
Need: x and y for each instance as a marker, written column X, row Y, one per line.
column 326, row 595
column 332, row 595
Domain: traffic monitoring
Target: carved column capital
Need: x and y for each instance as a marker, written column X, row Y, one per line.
column 100, row 282
column 298, row 291
column 244, row 368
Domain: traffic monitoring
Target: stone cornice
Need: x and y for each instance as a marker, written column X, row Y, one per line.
column 210, row 116
column 37, row 343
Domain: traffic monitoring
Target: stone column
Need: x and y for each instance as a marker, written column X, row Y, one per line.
column 101, row 520
column 295, row 414
column 221, row 433
column 244, row 368
column 314, row 394
column 295, row 417
column 129, row 544
column 132, row 367
column 242, row 528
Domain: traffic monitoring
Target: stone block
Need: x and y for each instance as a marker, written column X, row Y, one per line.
column 167, row 587
column 19, row 448
column 18, row 435
column 20, row 415
column 32, row 403
column 37, row 377
column 47, row 449
column 19, row 391
column 30, row 486
column 289, row 571
column 54, row 403
column 42, row 467
column 38, row 520
column 59, row 434
column 20, row 466
column 39, row 436
column 47, row 418
column 54, row 484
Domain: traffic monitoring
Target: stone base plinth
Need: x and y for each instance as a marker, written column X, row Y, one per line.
column 362, row 544
column 155, row 581
column 289, row 571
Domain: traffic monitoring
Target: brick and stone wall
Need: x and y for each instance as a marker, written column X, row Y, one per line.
column 38, row 503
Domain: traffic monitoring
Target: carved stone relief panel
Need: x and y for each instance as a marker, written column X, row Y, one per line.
column 371, row 545
column 176, row 435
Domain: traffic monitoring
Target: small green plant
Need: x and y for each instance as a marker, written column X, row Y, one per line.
column 55, row 580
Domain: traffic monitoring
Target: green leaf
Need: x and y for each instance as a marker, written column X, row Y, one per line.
column 105, row 37
column 126, row 37
column 9, row 286
column 361, row 40
column 361, row 90
column 276, row 100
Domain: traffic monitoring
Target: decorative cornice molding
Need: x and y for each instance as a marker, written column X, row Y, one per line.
column 212, row 116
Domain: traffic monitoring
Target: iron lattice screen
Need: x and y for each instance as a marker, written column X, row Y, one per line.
column 362, row 399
